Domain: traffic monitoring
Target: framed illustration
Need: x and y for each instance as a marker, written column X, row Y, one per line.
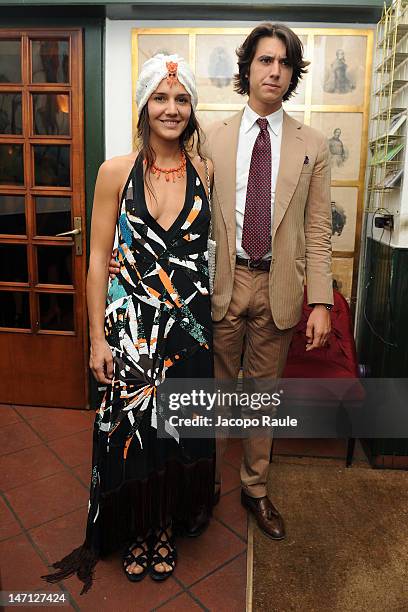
column 298, row 97
column 151, row 44
column 207, row 117
column 340, row 65
column 344, row 133
column 298, row 115
column 342, row 268
column 215, row 66
column 344, row 215
column 333, row 97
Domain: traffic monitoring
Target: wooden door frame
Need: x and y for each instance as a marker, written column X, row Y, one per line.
column 93, row 106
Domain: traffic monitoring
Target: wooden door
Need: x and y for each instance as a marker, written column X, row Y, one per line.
column 43, row 332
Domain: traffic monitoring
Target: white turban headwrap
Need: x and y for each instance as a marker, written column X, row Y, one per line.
column 158, row 68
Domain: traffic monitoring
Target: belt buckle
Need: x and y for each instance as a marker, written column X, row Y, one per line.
column 255, row 264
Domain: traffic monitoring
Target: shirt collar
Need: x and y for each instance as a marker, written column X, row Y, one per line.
column 249, row 118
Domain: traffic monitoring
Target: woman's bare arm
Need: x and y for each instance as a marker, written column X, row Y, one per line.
column 104, row 215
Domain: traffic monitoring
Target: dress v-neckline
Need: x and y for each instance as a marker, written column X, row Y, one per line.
column 182, row 215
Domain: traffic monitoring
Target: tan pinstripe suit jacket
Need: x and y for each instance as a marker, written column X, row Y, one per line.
column 301, row 229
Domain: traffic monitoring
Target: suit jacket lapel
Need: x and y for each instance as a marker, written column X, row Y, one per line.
column 292, row 156
column 224, row 152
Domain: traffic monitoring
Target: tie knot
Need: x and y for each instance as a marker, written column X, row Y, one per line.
column 263, row 124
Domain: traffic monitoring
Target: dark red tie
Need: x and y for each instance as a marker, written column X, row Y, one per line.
column 256, row 230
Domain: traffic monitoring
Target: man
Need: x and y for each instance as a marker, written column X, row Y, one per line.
column 272, row 224
column 336, row 148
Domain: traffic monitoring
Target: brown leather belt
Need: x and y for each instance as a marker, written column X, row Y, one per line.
column 262, row 264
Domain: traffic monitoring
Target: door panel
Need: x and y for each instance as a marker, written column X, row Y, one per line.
column 43, row 337
column 45, row 374
column 10, row 60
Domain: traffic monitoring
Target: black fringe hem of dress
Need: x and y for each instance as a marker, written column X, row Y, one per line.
column 180, row 492
column 81, row 562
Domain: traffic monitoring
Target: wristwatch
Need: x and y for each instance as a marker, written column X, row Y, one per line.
column 327, row 306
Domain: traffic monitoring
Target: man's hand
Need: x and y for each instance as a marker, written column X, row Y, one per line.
column 114, row 266
column 318, row 327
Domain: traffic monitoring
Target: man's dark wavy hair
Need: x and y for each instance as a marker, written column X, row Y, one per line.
column 294, row 54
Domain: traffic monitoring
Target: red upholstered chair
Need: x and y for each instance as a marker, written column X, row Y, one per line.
column 336, row 360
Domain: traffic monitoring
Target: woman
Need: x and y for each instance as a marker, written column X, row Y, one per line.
column 156, row 325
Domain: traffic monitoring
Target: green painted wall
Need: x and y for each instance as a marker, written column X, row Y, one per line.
column 209, row 4
column 386, row 315
column 386, row 311
column 311, row 11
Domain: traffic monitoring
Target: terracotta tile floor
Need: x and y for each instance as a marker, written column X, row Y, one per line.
column 45, row 458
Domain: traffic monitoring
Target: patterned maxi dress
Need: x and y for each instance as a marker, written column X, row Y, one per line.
column 158, row 325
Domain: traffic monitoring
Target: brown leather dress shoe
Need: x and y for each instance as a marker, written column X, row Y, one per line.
column 198, row 525
column 268, row 518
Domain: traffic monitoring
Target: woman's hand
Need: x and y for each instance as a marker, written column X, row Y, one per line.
column 101, row 362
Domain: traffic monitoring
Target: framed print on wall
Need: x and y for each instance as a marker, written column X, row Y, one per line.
column 151, row 44
column 215, row 66
column 342, row 268
column 340, row 62
column 207, row 117
column 298, row 115
column 344, row 132
column 344, row 214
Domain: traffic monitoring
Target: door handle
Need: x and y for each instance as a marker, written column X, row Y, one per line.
column 75, row 233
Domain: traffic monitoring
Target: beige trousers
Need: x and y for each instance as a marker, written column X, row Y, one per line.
column 248, row 326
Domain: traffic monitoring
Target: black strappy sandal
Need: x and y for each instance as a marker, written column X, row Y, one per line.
column 142, row 559
column 170, row 558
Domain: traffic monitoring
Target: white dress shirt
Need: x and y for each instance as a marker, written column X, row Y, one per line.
column 248, row 133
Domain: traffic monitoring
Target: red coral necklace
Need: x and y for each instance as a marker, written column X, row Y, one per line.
column 178, row 172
